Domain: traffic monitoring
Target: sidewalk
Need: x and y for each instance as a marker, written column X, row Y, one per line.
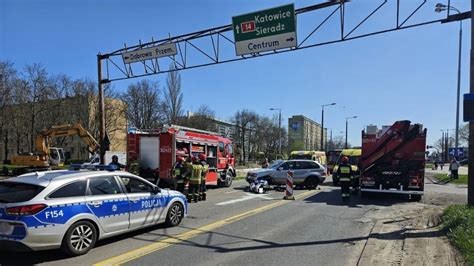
column 462, row 170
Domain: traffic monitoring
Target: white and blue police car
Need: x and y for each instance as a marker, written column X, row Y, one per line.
column 71, row 210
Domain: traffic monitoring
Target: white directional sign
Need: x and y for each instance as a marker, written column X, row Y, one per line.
column 265, row 30
column 163, row 50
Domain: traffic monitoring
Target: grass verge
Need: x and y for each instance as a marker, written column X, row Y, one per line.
column 458, row 221
column 462, row 180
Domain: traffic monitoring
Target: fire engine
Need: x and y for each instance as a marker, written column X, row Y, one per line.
column 393, row 159
column 156, row 152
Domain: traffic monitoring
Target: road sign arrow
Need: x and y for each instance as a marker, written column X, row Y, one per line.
column 237, row 28
column 290, row 39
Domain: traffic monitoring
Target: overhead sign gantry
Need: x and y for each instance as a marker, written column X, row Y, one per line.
column 265, row 30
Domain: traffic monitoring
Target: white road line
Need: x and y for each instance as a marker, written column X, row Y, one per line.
column 244, row 198
column 230, row 192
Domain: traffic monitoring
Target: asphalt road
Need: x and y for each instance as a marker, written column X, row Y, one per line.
column 237, row 227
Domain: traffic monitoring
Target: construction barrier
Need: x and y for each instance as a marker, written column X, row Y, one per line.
column 289, row 186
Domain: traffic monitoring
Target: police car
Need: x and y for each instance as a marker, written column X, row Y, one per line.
column 71, row 210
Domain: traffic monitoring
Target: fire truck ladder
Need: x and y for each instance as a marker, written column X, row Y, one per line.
column 406, row 133
column 176, row 127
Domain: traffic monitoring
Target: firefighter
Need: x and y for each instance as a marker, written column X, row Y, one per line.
column 205, row 170
column 195, row 180
column 179, row 174
column 344, row 171
column 189, row 170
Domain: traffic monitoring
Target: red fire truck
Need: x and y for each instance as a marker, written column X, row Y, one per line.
column 393, row 159
column 156, row 152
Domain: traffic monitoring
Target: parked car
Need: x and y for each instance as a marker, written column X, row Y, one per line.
column 464, row 162
column 305, row 172
column 71, row 210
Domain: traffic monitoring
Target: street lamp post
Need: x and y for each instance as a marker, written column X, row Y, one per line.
column 442, row 145
column 323, row 147
column 439, row 8
column 279, row 128
column 347, row 119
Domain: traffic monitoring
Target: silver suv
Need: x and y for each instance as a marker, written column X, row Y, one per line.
column 305, row 172
column 74, row 209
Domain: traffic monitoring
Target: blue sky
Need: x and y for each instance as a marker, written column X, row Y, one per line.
column 409, row 74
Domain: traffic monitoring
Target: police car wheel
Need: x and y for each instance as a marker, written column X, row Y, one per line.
column 175, row 214
column 79, row 238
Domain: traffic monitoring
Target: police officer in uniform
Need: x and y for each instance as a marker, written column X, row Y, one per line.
column 195, row 180
column 344, row 171
column 179, row 174
column 205, row 170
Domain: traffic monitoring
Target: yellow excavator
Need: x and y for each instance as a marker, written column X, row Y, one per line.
column 50, row 157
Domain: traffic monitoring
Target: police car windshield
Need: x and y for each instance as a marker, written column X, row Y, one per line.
column 12, row 192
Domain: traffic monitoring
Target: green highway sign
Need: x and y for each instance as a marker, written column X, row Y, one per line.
column 265, row 30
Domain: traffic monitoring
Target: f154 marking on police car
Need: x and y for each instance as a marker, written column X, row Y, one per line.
column 54, row 214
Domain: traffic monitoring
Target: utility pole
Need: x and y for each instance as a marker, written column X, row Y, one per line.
column 330, row 141
column 470, row 182
column 442, row 145
column 345, row 145
column 440, row 8
column 101, row 109
column 323, row 147
column 458, row 90
column 347, row 118
column 446, row 154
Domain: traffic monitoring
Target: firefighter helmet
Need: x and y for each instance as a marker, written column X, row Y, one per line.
column 202, row 157
column 180, row 159
column 345, row 159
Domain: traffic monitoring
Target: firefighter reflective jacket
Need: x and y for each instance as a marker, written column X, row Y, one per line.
column 179, row 172
column 196, row 175
column 189, row 170
column 344, row 171
column 205, row 170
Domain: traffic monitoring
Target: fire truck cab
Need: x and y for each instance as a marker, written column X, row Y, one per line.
column 156, row 151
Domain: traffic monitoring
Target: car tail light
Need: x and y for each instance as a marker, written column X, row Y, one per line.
column 26, row 210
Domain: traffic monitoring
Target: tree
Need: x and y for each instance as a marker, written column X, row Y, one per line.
column 143, row 104
column 173, row 96
column 36, row 78
column 244, row 121
column 7, row 77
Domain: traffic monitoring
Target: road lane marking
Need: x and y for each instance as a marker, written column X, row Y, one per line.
column 244, row 198
column 230, row 192
column 172, row 240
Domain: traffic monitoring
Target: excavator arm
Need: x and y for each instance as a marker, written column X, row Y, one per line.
column 43, row 140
